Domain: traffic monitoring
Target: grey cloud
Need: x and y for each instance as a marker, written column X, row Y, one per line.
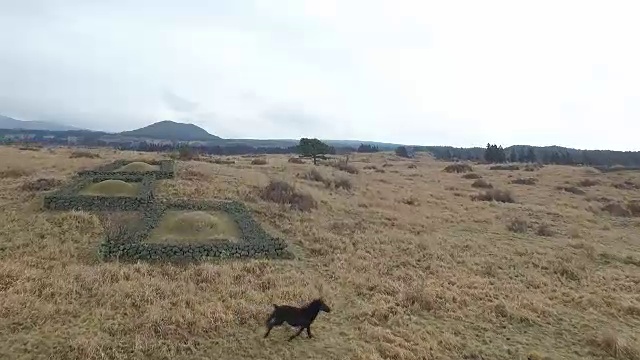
column 178, row 103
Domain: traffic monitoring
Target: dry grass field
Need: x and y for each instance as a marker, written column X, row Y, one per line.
column 412, row 267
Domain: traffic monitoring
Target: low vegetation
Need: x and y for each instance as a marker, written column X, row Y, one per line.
column 572, row 189
column 346, row 167
column 481, row 184
column 472, row 176
column 281, row 192
column 259, row 161
column 295, row 160
column 498, row 195
column 518, row 226
column 458, row 168
column 84, row 154
column 14, row 173
column 525, row 181
column 505, row 167
column 42, row 184
column 588, row 182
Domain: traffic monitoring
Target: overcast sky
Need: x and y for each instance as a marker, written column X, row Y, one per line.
column 459, row 73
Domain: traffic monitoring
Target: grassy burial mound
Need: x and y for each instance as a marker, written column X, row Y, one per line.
column 159, row 169
column 111, row 188
column 186, row 230
column 138, row 166
column 195, row 227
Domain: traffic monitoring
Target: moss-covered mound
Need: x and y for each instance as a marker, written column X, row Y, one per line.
column 138, row 166
column 111, row 188
column 195, row 227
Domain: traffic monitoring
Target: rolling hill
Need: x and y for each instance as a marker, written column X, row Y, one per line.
column 11, row 123
column 171, row 130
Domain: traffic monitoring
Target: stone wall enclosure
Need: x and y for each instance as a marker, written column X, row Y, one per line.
column 128, row 241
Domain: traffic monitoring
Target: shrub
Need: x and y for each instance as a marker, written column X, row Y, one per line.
column 295, row 160
column 221, row 161
column 572, row 189
column 588, row 182
column 314, row 175
column 30, row 148
column 411, row 200
column 387, row 165
column 518, row 226
column 616, row 209
column 634, row 208
column 343, row 166
column 413, row 166
column 525, row 181
column 259, row 161
column 505, row 167
column 481, row 184
column 494, row 195
column 533, row 167
column 471, row 176
column 370, row 167
column 84, row 154
column 458, row 168
column 281, row 192
column 626, row 185
column 44, row 184
column 382, row 171
column 343, row 183
column 13, row 173
column 544, row 230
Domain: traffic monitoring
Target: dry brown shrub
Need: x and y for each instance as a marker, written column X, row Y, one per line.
column 616, row 209
column 411, row 200
column 343, row 166
column 84, row 154
column 626, row 185
column 519, row 226
column 481, row 184
column 295, row 160
column 387, row 165
column 30, row 148
column 545, row 230
column 219, row 161
column 472, row 176
column 533, row 167
column 413, row 166
column 259, row 161
column 525, row 181
column 192, row 174
column 281, row 192
column 370, row 167
column 458, row 168
column 613, row 345
column 572, row 189
column 342, row 183
column 588, row 182
column 314, row 175
column 382, row 171
column 505, row 167
column 494, row 195
column 634, row 207
column 14, row 173
column 43, row 184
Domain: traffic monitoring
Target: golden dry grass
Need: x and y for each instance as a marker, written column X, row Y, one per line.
column 440, row 278
column 111, row 188
column 195, row 227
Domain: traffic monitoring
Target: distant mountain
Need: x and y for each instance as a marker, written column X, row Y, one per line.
column 10, row 123
column 171, row 130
